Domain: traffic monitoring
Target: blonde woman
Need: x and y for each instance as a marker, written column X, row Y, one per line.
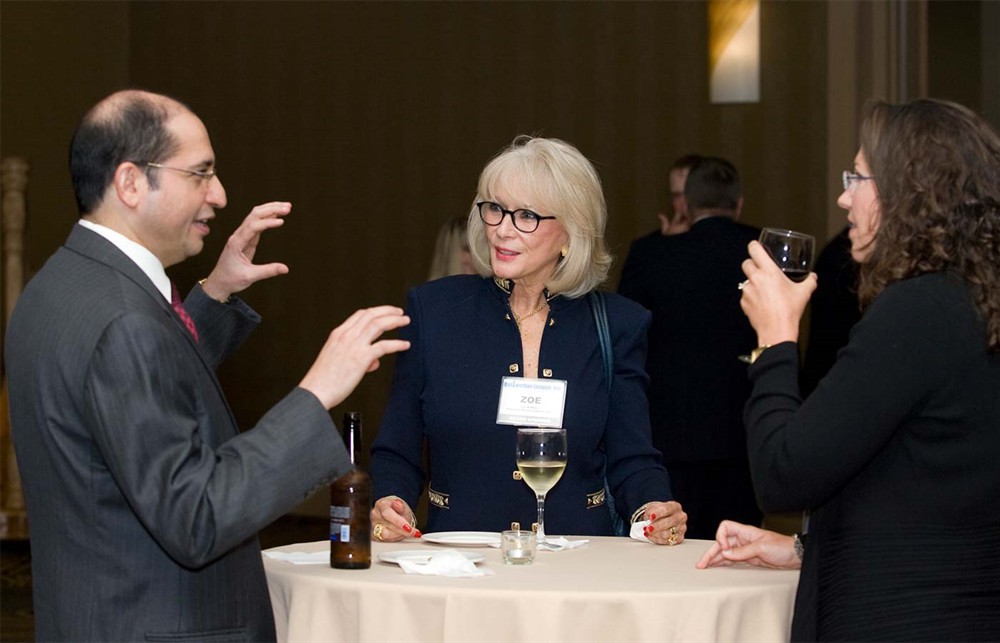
column 451, row 250
column 536, row 232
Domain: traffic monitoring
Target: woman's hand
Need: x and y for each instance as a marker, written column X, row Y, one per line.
column 771, row 301
column 667, row 522
column 393, row 520
column 739, row 543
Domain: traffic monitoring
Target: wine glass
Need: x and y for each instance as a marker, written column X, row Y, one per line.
column 541, row 459
column 792, row 251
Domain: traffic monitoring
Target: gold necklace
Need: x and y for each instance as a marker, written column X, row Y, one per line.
column 519, row 318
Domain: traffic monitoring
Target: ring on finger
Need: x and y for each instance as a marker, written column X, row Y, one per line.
column 672, row 539
column 377, row 532
column 743, row 284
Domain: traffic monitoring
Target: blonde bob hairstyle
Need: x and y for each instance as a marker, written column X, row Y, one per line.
column 560, row 182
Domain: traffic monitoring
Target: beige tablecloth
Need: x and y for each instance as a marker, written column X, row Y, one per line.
column 614, row 589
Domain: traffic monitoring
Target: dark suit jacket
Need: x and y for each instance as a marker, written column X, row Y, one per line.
column 697, row 385
column 144, row 498
column 446, row 389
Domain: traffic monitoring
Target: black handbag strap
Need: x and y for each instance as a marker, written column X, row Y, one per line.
column 597, row 307
column 596, row 300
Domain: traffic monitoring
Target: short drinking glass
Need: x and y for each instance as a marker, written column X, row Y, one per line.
column 518, row 546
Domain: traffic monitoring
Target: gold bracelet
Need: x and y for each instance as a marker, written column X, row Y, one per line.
column 201, row 282
column 757, row 352
column 638, row 512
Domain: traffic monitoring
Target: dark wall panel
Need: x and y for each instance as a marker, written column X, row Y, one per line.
column 375, row 119
column 56, row 60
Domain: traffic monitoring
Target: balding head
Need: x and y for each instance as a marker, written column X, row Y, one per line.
column 115, row 105
column 713, row 188
column 128, row 125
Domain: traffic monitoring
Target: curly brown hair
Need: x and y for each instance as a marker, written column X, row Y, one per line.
column 937, row 172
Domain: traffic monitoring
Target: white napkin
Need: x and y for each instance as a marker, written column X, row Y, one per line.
column 638, row 532
column 560, row 543
column 444, row 563
column 300, row 557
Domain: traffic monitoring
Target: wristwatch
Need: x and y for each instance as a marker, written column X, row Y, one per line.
column 757, row 352
column 800, row 546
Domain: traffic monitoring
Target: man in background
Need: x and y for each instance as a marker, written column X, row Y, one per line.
column 680, row 220
column 697, row 385
column 144, row 497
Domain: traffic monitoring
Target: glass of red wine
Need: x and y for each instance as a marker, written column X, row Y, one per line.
column 792, row 251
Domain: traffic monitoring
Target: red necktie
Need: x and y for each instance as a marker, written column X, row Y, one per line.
column 175, row 301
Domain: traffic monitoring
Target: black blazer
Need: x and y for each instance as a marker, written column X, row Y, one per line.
column 697, row 386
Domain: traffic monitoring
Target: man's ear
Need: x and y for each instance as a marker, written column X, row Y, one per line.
column 130, row 184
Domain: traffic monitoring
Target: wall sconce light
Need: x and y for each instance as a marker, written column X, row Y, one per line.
column 734, row 50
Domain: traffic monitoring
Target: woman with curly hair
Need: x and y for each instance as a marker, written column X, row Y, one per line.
column 894, row 454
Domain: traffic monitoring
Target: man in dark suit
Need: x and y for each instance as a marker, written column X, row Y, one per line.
column 697, row 386
column 144, row 497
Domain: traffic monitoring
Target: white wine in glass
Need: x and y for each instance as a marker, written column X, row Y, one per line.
column 541, row 459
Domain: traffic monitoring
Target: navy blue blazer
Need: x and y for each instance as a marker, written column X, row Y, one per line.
column 446, row 388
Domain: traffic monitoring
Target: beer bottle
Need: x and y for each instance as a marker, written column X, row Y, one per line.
column 350, row 507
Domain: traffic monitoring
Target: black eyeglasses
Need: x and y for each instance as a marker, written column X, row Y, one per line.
column 524, row 220
column 851, row 179
column 205, row 175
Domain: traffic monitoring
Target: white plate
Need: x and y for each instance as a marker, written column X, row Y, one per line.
column 463, row 538
column 422, row 556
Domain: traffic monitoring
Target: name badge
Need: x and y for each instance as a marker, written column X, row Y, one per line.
column 531, row 402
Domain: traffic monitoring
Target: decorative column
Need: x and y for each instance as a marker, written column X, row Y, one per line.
column 14, row 181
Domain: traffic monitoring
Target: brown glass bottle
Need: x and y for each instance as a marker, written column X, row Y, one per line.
column 350, row 507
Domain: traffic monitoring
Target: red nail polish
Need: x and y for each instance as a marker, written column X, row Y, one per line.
column 652, row 516
column 406, row 528
column 416, row 534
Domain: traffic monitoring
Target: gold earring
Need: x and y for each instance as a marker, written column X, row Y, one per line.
column 564, row 251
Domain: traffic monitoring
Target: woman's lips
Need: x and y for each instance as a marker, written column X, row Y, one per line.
column 504, row 254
